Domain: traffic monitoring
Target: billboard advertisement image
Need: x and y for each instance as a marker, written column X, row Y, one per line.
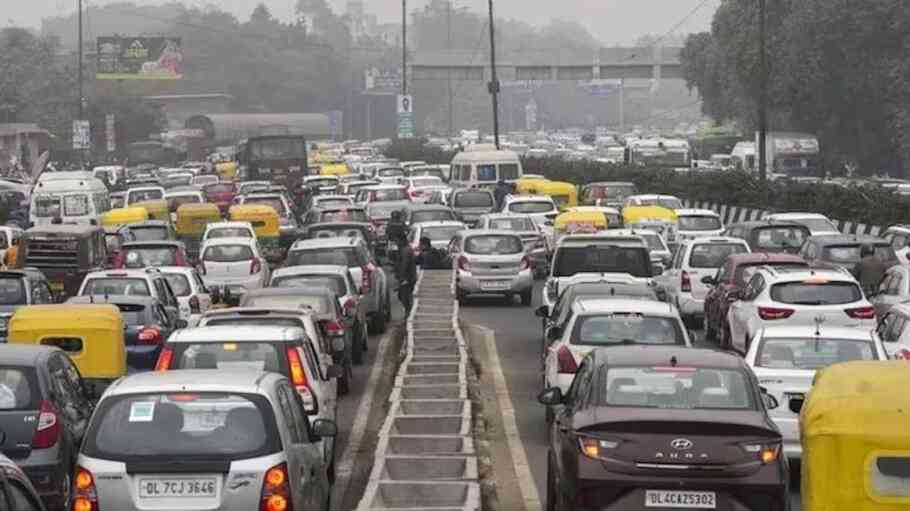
column 139, row 58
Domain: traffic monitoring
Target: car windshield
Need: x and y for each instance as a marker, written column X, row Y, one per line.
column 850, row 253
column 678, row 387
column 229, row 232
column 316, row 303
column 257, row 356
column 627, row 328
column 46, row 206
column 816, row 293
column 12, row 291
column 699, row 223
column 473, row 200
column 344, row 215
column 180, row 284
column 275, row 202
column 340, row 256
column 388, row 194
column 144, row 195
column 133, row 313
column 75, row 205
column 493, row 245
column 532, row 207
column 143, row 257
column 438, row 215
column 602, row 259
column 334, row 282
column 334, row 201
column 441, row 233
column 16, row 388
column 227, row 253
column 811, row 353
column 426, row 181
column 818, row 224
column 116, row 286
column 712, row 255
column 774, row 238
column 157, row 233
column 207, row 424
column 517, row 224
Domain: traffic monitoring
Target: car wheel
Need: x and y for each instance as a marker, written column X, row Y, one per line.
column 62, row 502
column 551, row 485
column 526, row 297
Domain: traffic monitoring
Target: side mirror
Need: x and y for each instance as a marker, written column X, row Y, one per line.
column 769, row 400
column 181, row 323
column 554, row 333
column 334, row 371
column 550, row 397
column 657, row 269
column 324, row 428
column 796, row 405
column 708, row 280
column 542, row 312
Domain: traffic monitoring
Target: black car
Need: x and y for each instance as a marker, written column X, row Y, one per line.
column 656, row 426
column 147, row 326
column 18, row 288
column 44, row 410
column 470, row 204
column 843, row 250
column 417, row 213
column 770, row 236
column 16, row 492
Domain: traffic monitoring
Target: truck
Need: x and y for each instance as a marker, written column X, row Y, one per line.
column 660, row 153
column 790, row 154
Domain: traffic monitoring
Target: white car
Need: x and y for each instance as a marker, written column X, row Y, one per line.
column 894, row 330
column 695, row 260
column 796, row 296
column 698, row 223
column 144, row 282
column 899, row 237
column 191, row 292
column 817, row 224
column 421, row 187
column 785, row 358
column 539, row 207
column 143, row 193
column 235, row 264
column 217, row 230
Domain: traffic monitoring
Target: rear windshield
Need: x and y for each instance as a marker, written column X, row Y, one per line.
column 228, row 253
column 663, row 202
column 440, row 215
column 334, row 201
column 602, row 259
column 678, row 388
column 229, row 232
column 627, row 328
column 340, row 256
column 219, row 188
column 322, row 182
column 388, row 195
column 144, row 195
column 440, row 233
column 850, row 253
column 699, row 223
column 12, row 291
column 712, row 255
column 336, row 232
column 493, row 245
column 428, row 172
column 391, row 172
column 179, row 283
column 164, row 426
column 116, row 286
column 776, row 238
column 739, row 277
column 344, row 215
column 813, row 353
column 616, row 192
column 142, row 257
column 531, row 207
column 256, row 321
column 517, row 224
column 334, row 282
column 806, row 293
column 653, row 240
column 257, row 356
column 157, row 233
column 818, row 224
column 317, row 304
column 17, row 388
column 473, row 200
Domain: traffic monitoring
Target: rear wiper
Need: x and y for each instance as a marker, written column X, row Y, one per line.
column 816, row 302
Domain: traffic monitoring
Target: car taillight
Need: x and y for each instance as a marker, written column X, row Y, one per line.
column 366, row 277
column 276, row 490
column 48, row 430
column 149, row 335
column 464, row 264
column 85, row 496
column 255, row 267
column 164, row 359
column 565, row 361
column 348, row 306
column 525, row 264
column 298, row 379
column 771, row 313
column 766, row 453
column 861, row 312
column 195, row 306
column 201, row 267
column 685, row 283
column 901, row 354
column 333, row 328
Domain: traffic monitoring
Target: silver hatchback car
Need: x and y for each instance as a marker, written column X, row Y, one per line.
column 202, row 440
column 491, row 262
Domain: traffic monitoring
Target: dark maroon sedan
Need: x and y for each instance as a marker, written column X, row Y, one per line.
column 645, row 427
column 727, row 283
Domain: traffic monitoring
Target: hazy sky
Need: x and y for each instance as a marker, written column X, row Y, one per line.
column 612, row 21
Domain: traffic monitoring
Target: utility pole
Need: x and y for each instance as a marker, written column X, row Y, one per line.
column 404, row 47
column 494, row 82
column 81, row 93
column 762, row 94
column 449, row 81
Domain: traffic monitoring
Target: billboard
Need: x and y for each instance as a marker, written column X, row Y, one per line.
column 139, row 58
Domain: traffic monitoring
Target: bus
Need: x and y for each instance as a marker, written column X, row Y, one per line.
column 281, row 159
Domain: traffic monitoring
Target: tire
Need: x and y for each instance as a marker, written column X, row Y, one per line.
column 725, row 341
column 365, row 338
column 526, row 297
column 551, row 485
column 388, row 310
column 550, row 415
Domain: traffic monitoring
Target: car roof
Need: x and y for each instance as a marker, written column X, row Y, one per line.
column 427, row 207
column 438, row 223
column 311, row 269
column 594, row 305
column 125, row 273
column 237, row 333
column 337, row 241
column 152, row 243
column 114, row 299
column 228, row 224
column 529, row 198
column 229, row 241
column 764, row 257
column 193, row 380
column 149, row 223
column 470, row 233
column 751, row 224
column 847, row 239
column 311, row 290
column 658, row 356
column 188, row 270
column 797, row 272
column 24, row 354
column 809, row 331
column 793, row 215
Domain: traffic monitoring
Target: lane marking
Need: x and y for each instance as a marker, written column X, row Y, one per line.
column 529, row 491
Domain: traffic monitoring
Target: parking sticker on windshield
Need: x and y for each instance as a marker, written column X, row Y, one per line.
column 142, row 411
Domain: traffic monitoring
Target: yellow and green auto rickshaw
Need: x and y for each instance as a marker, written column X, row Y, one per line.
column 663, row 221
column 266, row 223
column 564, row 194
column 583, row 222
column 91, row 335
column 157, row 209
column 530, row 185
column 334, row 169
column 226, row 170
column 191, row 222
column 113, row 221
column 853, row 431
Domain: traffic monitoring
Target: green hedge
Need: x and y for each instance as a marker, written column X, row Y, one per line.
column 866, row 204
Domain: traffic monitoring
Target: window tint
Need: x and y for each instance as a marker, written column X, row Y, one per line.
column 258, row 356
column 812, row 353
column 228, row 253
column 517, row 224
column 850, row 253
column 679, row 388
column 486, row 172
column 441, row 233
column 432, row 216
column 807, row 293
column 494, row 245
column 699, row 223
column 783, row 237
column 12, row 291
column 334, row 282
column 344, row 215
column 473, row 200
column 529, row 207
column 142, row 257
column 157, row 233
column 508, row 171
column 229, row 232
column 626, row 328
column 17, row 391
column 116, row 286
column 388, row 194
column 340, row 256
column 712, row 255
column 602, row 259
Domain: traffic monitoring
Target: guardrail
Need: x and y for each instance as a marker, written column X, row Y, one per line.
column 733, row 214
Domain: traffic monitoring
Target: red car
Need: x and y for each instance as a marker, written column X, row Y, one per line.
column 727, row 283
column 221, row 194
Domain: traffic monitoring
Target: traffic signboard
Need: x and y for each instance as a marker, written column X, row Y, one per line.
column 82, row 135
column 405, row 116
column 110, row 133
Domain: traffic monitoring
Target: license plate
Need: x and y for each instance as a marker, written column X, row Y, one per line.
column 495, row 285
column 185, row 488
column 681, row 499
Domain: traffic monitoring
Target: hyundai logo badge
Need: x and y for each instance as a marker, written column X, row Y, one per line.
column 681, row 444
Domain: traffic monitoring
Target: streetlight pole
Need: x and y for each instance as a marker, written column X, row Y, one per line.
column 762, row 94
column 494, row 82
column 404, row 47
column 449, row 81
column 79, row 37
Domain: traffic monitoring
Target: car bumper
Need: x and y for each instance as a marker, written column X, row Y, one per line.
column 142, row 357
column 494, row 284
column 239, row 284
column 45, row 469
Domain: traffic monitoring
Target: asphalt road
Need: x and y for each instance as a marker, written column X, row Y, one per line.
column 518, row 341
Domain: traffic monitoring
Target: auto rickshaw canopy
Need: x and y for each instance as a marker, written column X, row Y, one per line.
column 157, row 209
column 636, row 214
column 578, row 222
column 124, row 216
column 564, row 194
column 263, row 218
column 192, row 218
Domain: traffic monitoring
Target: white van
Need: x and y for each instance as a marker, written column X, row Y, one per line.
column 74, row 197
column 483, row 165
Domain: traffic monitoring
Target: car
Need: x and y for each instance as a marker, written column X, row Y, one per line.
column 491, row 262
column 659, row 200
column 287, row 350
column 440, row 172
column 785, row 359
column 233, row 264
column 143, row 193
column 647, row 427
column 388, row 174
column 725, row 285
column 607, row 193
column 148, row 254
column 794, row 296
column 416, row 213
column 350, row 188
column 336, row 214
column 363, row 230
column 220, row 194
column 768, row 236
column 379, row 214
column 146, row 325
column 843, row 250
column 203, row 180
column 696, row 259
column 339, row 279
column 44, row 410
column 817, row 223
column 321, row 184
column 146, row 282
column 151, row 230
column 469, row 204
column 382, row 193
column 421, row 187
column 353, row 252
column 192, row 295
column 21, row 287
column 535, row 240
column 899, row 237
column 176, row 179
column 16, row 492
column 698, row 223
column 439, row 233
column 202, row 439
column 596, row 322
column 539, row 207
column 246, row 187
column 232, row 229
column 324, row 200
